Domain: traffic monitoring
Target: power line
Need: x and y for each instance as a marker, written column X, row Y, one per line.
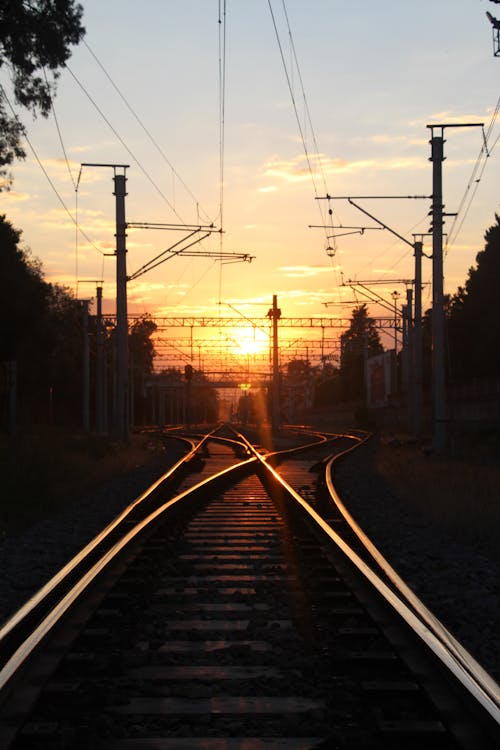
column 127, row 149
column 474, row 181
column 144, row 128
column 63, row 204
column 294, row 103
column 59, row 132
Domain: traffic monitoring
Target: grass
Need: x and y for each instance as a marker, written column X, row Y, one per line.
column 461, row 493
column 41, row 474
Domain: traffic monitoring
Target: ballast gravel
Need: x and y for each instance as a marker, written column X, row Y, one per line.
column 458, row 581
column 29, row 559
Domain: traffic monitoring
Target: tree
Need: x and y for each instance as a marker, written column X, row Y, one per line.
column 35, row 38
column 40, row 330
column 360, row 334
column 142, row 353
column 23, row 292
column 473, row 321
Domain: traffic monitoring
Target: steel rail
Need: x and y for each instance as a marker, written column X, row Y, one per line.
column 477, row 675
column 26, row 649
column 58, row 579
column 485, row 692
column 289, row 451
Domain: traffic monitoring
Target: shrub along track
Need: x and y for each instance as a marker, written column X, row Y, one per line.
column 230, row 620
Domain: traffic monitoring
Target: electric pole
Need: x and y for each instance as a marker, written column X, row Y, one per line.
column 121, row 427
column 275, row 314
column 438, row 374
column 120, row 375
column 85, row 366
column 100, row 380
column 440, row 416
column 416, row 373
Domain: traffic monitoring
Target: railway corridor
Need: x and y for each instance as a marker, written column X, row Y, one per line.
column 229, row 626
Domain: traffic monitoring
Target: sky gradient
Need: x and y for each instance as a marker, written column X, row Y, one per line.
column 373, row 74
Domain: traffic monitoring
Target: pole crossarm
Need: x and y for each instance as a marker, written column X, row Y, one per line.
column 365, row 197
column 351, row 230
column 456, row 125
column 170, row 252
column 381, row 281
column 172, row 227
column 226, row 258
column 109, row 166
column 154, row 262
column 373, row 296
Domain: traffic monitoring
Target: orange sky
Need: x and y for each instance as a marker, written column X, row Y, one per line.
column 372, row 81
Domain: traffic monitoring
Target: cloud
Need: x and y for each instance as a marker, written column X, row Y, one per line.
column 268, row 189
column 299, row 170
column 304, row 271
column 383, row 138
column 12, row 195
column 91, row 222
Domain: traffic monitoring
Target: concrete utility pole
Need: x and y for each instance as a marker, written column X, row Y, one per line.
column 121, row 428
column 120, row 374
column 416, row 373
column 440, row 416
column 395, row 296
column 85, row 367
column 100, row 380
column 275, row 314
column 438, row 374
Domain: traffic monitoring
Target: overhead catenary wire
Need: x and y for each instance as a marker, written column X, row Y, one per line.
column 70, row 172
column 59, row 133
column 46, row 174
column 295, row 107
column 475, row 178
column 121, row 140
column 151, row 138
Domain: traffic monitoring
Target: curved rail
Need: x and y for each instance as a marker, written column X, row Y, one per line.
column 58, row 580
column 456, row 657
column 24, row 651
column 422, row 622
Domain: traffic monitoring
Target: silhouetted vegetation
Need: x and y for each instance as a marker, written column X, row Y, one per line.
column 42, row 341
column 473, row 325
column 39, row 341
column 35, row 40
column 360, row 339
column 176, row 400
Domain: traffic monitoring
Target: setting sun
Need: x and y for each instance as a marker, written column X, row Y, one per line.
column 251, row 342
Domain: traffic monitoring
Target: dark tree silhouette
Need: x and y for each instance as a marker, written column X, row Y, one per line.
column 35, row 41
column 39, row 330
column 141, row 357
column 473, row 321
column 362, row 332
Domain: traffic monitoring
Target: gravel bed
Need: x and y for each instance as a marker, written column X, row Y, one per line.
column 458, row 581
column 29, row 559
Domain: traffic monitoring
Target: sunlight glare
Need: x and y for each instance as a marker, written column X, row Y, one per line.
column 250, row 342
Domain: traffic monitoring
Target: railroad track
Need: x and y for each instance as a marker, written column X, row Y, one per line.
column 235, row 605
